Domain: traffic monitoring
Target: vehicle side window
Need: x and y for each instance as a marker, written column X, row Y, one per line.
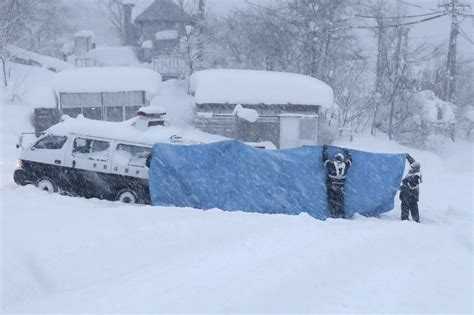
column 81, row 146
column 51, row 142
column 91, row 148
column 131, row 155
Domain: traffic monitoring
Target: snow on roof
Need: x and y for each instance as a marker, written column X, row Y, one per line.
column 67, row 48
column 108, row 79
column 126, row 131
column 167, row 35
column 44, row 61
column 147, row 44
column 84, row 33
column 113, row 56
column 140, row 6
column 158, row 11
column 220, row 86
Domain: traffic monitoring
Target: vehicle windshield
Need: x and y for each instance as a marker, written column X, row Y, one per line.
column 51, row 142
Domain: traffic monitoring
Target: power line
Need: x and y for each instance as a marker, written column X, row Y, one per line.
column 418, row 6
column 397, row 17
column 465, row 36
column 408, row 23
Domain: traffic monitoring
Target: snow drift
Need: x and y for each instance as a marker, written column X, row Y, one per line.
column 232, row 176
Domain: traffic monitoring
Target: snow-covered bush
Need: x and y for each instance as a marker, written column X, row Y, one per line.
column 426, row 122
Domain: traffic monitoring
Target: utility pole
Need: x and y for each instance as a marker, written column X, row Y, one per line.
column 453, row 8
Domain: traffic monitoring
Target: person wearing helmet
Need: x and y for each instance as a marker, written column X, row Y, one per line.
column 410, row 191
column 335, row 181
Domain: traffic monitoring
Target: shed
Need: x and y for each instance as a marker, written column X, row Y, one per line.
column 105, row 93
column 288, row 105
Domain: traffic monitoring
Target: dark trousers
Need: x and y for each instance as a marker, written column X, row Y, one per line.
column 335, row 194
column 410, row 206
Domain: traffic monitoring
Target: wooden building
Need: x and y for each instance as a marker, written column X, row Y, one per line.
column 157, row 28
column 282, row 108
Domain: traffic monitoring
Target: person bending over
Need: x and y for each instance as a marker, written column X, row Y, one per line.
column 335, row 181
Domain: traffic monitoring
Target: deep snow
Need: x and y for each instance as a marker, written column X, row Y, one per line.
column 64, row 254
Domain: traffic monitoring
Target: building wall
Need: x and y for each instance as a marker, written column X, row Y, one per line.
column 218, row 119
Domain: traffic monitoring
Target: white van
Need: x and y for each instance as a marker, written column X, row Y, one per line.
column 88, row 166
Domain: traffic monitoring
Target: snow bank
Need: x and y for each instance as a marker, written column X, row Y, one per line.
column 126, row 131
column 31, row 85
column 107, row 257
column 220, row 86
column 108, row 79
column 44, row 61
column 113, row 56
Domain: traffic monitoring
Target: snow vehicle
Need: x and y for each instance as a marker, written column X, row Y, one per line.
column 99, row 159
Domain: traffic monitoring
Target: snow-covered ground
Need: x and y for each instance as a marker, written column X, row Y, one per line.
column 62, row 254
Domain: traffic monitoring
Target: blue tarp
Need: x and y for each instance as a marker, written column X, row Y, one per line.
column 230, row 175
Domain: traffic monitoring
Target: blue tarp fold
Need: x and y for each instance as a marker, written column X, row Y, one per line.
column 231, row 176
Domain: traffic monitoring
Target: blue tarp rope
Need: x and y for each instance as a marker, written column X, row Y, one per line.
column 232, row 176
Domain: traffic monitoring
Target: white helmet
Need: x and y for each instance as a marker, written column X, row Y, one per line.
column 415, row 166
column 339, row 157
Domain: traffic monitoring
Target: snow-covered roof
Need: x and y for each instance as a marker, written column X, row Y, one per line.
column 221, row 86
column 139, row 6
column 67, row 48
column 167, row 35
column 147, row 44
column 84, row 33
column 44, row 61
column 108, row 79
column 126, row 131
column 158, row 10
column 113, row 56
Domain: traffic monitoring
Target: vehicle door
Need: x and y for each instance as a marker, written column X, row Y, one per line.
column 89, row 160
column 129, row 160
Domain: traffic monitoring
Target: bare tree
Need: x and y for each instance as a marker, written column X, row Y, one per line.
column 114, row 10
column 12, row 18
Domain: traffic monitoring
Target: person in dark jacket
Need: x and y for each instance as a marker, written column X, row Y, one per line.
column 335, row 181
column 410, row 191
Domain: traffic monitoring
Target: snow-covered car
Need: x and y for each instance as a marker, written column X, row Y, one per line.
column 88, row 166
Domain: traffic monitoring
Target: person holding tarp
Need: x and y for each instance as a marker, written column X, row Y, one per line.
column 410, row 191
column 335, row 181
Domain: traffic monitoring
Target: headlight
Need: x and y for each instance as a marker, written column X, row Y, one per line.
column 18, row 163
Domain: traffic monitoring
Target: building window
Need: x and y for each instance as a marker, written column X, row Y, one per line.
column 72, row 112
column 114, row 113
column 92, row 112
column 131, row 111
